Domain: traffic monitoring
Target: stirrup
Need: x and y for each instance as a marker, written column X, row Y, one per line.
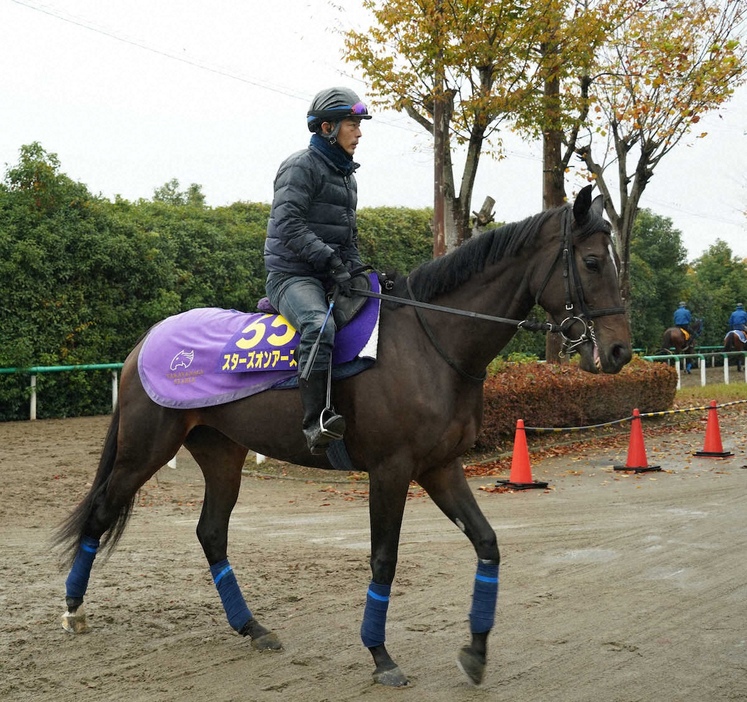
column 330, row 427
column 331, row 424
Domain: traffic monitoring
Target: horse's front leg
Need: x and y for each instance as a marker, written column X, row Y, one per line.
column 220, row 461
column 388, row 493
column 449, row 489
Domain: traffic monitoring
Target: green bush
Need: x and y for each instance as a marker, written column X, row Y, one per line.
column 395, row 238
column 84, row 278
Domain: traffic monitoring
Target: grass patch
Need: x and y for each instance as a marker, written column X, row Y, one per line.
column 720, row 392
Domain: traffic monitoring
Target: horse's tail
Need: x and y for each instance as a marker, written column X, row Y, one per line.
column 72, row 530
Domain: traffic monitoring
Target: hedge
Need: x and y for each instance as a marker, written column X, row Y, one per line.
column 551, row 395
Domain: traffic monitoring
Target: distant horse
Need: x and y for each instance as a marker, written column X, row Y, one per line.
column 677, row 342
column 736, row 341
column 409, row 417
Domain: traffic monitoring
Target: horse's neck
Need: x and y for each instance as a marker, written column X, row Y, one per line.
column 500, row 292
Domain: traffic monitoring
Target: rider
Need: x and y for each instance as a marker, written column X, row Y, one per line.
column 738, row 319
column 683, row 317
column 312, row 245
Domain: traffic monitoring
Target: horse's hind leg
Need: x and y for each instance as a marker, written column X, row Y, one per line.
column 449, row 489
column 101, row 517
column 221, row 460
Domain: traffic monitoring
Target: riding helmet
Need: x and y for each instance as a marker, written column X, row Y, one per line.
column 333, row 105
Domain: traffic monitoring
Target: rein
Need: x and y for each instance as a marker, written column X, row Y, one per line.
column 530, row 325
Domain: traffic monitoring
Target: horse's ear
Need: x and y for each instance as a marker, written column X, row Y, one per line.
column 597, row 206
column 582, row 204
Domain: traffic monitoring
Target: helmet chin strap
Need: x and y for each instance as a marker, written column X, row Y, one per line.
column 332, row 136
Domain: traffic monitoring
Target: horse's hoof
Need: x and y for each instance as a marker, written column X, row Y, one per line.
column 472, row 665
column 75, row 622
column 267, row 642
column 393, row 677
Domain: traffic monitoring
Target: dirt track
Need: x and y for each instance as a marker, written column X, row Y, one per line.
column 614, row 587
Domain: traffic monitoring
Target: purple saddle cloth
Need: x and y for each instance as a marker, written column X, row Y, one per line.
column 208, row 356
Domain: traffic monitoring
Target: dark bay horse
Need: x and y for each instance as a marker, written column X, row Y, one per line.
column 675, row 341
column 734, row 341
column 409, row 417
column 674, row 338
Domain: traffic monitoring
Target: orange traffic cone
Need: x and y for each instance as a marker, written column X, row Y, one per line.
column 636, row 450
column 713, row 447
column 520, row 477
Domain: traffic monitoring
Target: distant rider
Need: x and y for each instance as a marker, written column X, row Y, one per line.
column 738, row 319
column 683, row 317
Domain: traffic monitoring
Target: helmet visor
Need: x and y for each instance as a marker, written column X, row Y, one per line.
column 359, row 109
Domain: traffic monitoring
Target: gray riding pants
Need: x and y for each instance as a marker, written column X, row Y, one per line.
column 303, row 302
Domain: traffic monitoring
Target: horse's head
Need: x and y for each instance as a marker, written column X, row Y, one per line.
column 580, row 288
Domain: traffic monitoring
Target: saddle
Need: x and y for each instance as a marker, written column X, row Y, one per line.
column 345, row 307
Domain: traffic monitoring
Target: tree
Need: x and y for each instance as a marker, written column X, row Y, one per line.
column 665, row 65
column 719, row 281
column 658, row 278
column 468, row 58
column 170, row 194
column 38, row 182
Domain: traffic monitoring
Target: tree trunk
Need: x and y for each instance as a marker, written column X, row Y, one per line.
column 553, row 180
column 440, row 146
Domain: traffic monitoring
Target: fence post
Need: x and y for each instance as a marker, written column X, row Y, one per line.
column 115, row 390
column 32, row 409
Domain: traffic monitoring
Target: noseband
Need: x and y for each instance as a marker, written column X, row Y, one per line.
column 572, row 284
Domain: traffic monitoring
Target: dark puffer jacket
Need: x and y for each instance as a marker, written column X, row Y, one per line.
column 313, row 216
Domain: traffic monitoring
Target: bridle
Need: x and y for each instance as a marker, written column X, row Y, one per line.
column 571, row 283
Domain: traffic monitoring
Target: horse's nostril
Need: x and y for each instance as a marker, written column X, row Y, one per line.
column 621, row 353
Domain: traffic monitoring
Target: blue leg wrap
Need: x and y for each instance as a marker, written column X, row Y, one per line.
column 237, row 612
column 373, row 628
column 484, row 598
column 77, row 581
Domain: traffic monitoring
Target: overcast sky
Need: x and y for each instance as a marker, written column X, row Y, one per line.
column 132, row 94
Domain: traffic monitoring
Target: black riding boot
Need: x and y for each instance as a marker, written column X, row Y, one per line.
column 321, row 425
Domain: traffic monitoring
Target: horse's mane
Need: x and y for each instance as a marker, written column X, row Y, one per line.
column 446, row 273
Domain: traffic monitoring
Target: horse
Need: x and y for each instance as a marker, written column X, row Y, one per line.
column 410, row 416
column 675, row 338
column 736, row 341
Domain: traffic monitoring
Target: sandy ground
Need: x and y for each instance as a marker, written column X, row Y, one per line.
column 614, row 586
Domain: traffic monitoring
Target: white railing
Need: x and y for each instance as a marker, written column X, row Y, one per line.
column 701, row 360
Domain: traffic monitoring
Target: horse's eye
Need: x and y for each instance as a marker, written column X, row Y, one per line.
column 592, row 264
